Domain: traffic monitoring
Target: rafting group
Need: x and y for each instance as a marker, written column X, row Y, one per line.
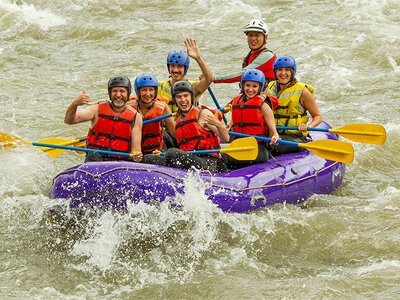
column 165, row 117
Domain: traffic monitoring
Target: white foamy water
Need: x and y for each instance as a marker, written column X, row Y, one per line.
column 334, row 246
column 30, row 15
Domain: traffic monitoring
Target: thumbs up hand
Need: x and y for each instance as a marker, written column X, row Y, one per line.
column 82, row 99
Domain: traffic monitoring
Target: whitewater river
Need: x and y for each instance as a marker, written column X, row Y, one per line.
column 343, row 245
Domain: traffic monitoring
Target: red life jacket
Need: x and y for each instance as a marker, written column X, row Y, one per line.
column 247, row 117
column 266, row 68
column 152, row 133
column 112, row 132
column 191, row 136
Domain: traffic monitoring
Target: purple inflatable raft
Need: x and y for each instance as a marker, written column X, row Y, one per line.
column 292, row 179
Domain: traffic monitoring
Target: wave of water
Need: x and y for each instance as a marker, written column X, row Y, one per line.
column 339, row 245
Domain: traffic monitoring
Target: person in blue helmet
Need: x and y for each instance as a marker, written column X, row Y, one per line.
column 178, row 65
column 252, row 115
column 295, row 101
column 259, row 56
column 151, row 106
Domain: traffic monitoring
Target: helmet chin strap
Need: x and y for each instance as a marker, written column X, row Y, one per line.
column 263, row 44
column 277, row 80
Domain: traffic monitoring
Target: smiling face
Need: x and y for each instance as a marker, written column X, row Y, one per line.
column 177, row 71
column 119, row 96
column 284, row 75
column 184, row 101
column 251, row 88
column 147, row 94
column 255, row 40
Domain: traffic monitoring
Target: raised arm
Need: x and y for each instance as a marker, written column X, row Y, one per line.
column 88, row 114
column 194, row 52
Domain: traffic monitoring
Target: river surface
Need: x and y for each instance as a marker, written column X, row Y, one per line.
column 343, row 245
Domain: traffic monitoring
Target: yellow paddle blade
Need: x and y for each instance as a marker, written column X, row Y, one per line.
column 57, row 141
column 331, row 150
column 53, row 152
column 10, row 141
column 54, row 141
column 242, row 149
column 80, row 145
column 363, row 133
column 60, row 142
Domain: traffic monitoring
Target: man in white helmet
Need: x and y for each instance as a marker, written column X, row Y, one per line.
column 259, row 56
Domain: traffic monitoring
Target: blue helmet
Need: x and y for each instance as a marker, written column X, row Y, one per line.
column 253, row 75
column 178, row 58
column 146, row 80
column 285, row 62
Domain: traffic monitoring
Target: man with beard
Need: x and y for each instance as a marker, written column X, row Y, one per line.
column 115, row 126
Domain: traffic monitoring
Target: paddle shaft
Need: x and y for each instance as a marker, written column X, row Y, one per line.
column 65, row 143
column 235, row 146
column 216, row 103
column 199, row 152
column 240, row 149
column 157, row 119
column 216, row 150
column 113, row 152
column 328, row 149
column 304, row 145
column 144, row 122
column 265, row 139
column 330, row 130
column 82, row 149
column 297, row 128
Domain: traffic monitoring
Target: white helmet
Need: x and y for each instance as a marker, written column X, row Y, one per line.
column 256, row 25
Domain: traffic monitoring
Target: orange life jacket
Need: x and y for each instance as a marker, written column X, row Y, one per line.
column 247, row 117
column 112, row 132
column 152, row 133
column 191, row 136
